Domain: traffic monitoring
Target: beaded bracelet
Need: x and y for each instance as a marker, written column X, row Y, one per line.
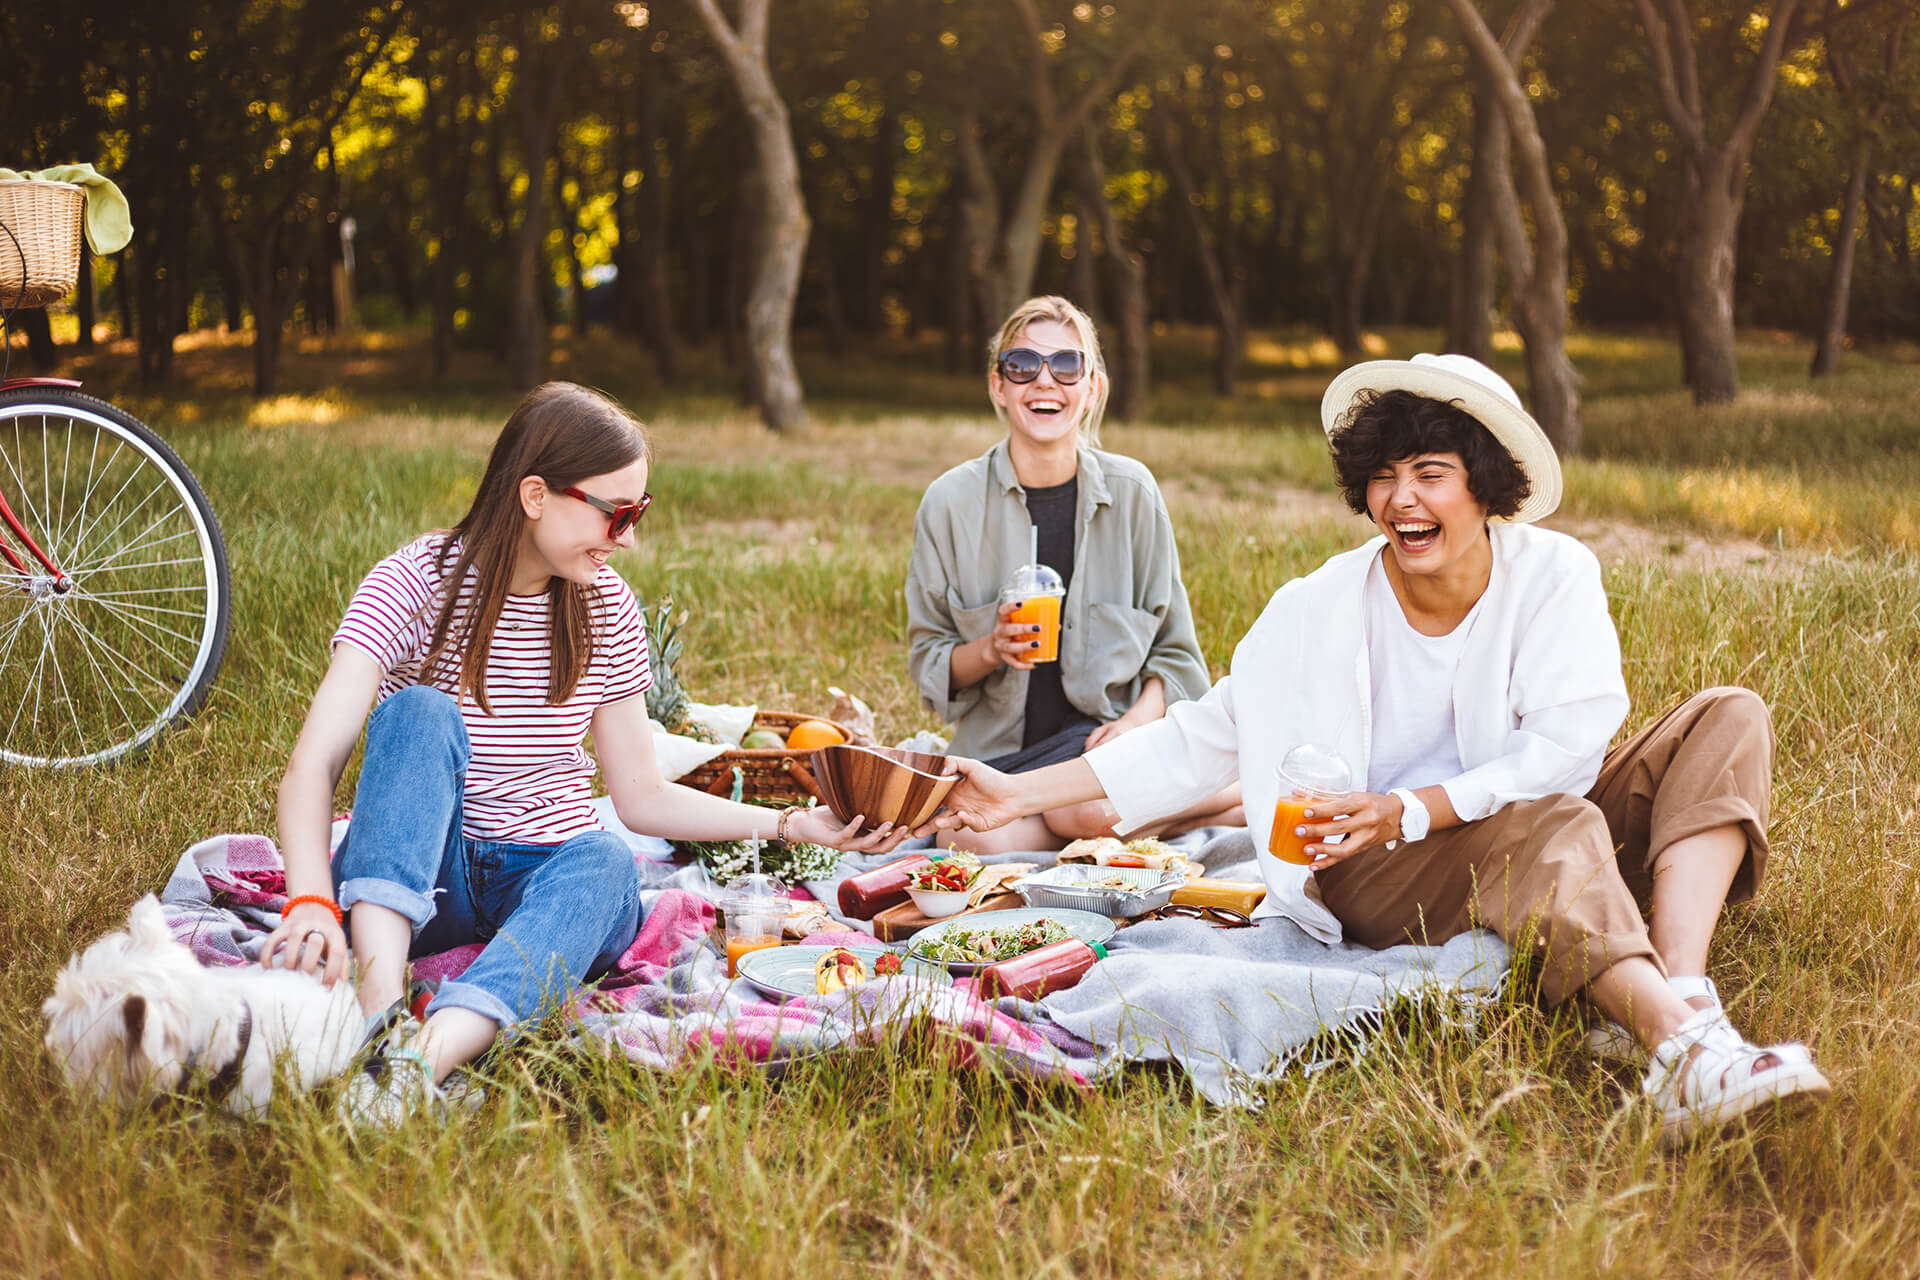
column 780, row 827
column 322, row 899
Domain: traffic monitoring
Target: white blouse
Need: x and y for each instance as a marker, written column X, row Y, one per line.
column 1537, row 696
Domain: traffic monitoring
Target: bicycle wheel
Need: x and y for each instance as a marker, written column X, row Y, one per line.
column 98, row 660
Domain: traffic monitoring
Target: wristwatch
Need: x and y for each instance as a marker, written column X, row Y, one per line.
column 1414, row 818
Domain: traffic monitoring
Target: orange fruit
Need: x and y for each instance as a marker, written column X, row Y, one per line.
column 810, row 735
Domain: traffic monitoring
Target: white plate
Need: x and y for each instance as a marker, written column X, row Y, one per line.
column 785, row 972
column 1087, row 926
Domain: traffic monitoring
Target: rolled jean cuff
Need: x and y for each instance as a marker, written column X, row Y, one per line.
column 417, row 907
column 464, row 995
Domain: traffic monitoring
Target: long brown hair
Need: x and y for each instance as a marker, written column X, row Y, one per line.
column 562, row 433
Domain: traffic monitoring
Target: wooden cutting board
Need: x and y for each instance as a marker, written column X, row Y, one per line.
column 898, row 923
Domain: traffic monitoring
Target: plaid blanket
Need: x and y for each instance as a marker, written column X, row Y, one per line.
column 1233, row 1008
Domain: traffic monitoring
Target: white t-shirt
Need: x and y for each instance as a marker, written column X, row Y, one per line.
column 1414, row 743
column 530, row 778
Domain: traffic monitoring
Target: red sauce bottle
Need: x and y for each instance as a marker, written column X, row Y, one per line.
column 1054, row 967
column 866, row 895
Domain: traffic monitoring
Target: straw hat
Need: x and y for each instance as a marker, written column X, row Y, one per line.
column 1470, row 386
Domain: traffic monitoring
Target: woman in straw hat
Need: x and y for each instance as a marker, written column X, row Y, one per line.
column 1464, row 663
column 1127, row 648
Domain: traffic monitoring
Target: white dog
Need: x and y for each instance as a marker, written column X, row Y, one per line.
column 136, row 1016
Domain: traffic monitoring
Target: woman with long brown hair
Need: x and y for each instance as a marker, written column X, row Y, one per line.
column 487, row 652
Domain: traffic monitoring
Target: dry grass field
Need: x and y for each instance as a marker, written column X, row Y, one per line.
column 1768, row 543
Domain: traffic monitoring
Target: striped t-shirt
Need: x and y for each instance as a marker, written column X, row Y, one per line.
column 529, row 779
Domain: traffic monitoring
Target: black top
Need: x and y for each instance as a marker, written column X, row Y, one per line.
column 1052, row 511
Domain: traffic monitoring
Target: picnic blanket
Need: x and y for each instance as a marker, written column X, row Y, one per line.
column 1230, row 1007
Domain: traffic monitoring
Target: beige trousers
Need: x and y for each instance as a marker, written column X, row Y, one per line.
column 1568, row 875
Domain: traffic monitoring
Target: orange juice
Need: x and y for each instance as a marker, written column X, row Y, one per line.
column 1042, row 610
column 1289, row 813
column 737, row 947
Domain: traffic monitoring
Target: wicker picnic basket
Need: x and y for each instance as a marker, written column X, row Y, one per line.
column 40, row 260
column 764, row 774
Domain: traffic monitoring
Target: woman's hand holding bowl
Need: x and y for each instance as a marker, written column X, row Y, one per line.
column 983, row 799
column 819, row 825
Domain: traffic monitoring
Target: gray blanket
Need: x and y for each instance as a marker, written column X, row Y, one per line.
column 1234, row 1007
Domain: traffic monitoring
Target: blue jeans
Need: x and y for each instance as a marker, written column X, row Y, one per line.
column 551, row 915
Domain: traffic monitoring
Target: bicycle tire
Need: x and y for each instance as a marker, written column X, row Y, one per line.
column 127, row 662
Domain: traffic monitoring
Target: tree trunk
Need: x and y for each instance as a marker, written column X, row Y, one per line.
column 1351, row 263
column 1833, row 325
column 869, row 294
column 569, row 228
column 1226, row 354
column 782, row 241
column 39, row 334
column 1539, row 269
column 83, row 300
column 543, row 74
column 266, row 294
column 655, row 215
column 979, row 224
column 1471, row 300
column 963, row 328
column 1132, row 369
column 1713, row 185
column 1708, row 240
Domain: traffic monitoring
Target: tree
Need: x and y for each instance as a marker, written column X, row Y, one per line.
column 1870, row 96
column 1538, row 270
column 1713, row 182
column 1003, row 250
column 780, row 247
column 1131, row 371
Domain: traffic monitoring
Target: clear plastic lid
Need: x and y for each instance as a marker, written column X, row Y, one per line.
column 747, row 892
column 1313, row 767
column 1036, row 580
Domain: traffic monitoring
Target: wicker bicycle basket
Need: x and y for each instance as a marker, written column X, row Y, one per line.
column 40, row 261
column 764, row 774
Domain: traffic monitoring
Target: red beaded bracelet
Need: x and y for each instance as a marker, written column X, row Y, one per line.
column 323, row 900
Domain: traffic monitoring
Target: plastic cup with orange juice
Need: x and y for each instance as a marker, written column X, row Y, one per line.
column 1035, row 592
column 756, row 912
column 1308, row 775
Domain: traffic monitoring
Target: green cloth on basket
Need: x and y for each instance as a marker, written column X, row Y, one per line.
column 109, row 220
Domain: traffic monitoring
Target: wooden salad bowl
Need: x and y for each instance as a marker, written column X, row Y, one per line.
column 882, row 784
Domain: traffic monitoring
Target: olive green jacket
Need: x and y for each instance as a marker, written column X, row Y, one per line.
column 1125, row 617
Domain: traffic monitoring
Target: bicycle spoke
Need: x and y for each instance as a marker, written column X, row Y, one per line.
column 126, row 614
column 82, row 568
column 91, row 644
column 124, row 548
column 125, row 660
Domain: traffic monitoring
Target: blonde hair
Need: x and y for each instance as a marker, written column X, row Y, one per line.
column 1059, row 311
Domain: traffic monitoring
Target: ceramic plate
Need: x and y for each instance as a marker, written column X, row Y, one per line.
column 1088, row 926
column 785, row 972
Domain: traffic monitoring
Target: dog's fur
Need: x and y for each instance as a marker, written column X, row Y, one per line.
column 136, row 1016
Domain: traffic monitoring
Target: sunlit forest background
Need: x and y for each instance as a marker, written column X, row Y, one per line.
column 484, row 171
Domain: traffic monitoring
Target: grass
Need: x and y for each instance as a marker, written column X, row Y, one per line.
column 1502, row 1151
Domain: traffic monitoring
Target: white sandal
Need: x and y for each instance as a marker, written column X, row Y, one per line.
column 1610, row 1040
column 1721, row 1082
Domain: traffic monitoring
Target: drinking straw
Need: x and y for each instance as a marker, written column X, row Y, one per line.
column 756, row 852
column 1033, row 544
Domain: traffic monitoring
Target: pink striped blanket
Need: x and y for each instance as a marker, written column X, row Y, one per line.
column 667, row 1003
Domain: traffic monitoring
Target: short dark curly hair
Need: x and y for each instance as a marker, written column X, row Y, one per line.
column 1383, row 427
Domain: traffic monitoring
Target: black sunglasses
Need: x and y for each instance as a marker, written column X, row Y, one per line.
column 621, row 516
column 1218, row 917
column 1023, row 364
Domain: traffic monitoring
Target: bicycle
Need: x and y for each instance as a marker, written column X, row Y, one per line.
column 115, row 592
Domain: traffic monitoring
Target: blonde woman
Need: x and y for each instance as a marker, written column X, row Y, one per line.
column 1127, row 643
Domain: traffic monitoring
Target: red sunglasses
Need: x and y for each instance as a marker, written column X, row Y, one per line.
column 621, row 516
